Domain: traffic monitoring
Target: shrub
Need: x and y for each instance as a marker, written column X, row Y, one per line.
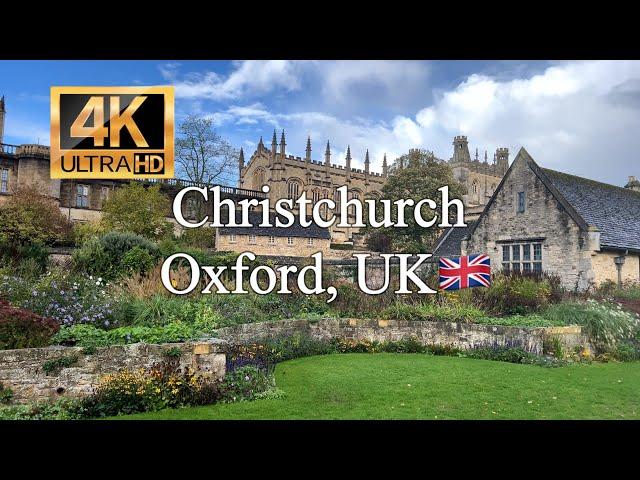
column 606, row 324
column 21, row 328
column 198, row 238
column 514, row 294
column 627, row 352
column 54, row 366
column 165, row 385
column 138, row 209
column 432, row 312
column 109, row 256
column 90, row 336
column 85, row 231
column 6, row 394
column 59, row 410
column 30, row 218
column 71, row 299
column 137, row 260
column 530, row 320
column 246, row 383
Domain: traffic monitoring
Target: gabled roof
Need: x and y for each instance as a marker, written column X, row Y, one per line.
column 295, row 230
column 449, row 242
column 613, row 210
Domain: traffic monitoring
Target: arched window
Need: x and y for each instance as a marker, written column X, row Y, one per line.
column 324, row 209
column 474, row 187
column 258, row 179
column 293, row 189
column 316, row 195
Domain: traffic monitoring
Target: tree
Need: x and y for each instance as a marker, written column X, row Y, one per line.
column 29, row 217
column 203, row 155
column 419, row 177
column 137, row 209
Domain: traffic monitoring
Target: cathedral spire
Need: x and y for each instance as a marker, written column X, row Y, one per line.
column 476, row 154
column 366, row 162
column 348, row 162
column 282, row 145
column 327, row 154
column 308, row 151
column 485, row 156
column 385, row 167
column 241, row 159
column 260, row 144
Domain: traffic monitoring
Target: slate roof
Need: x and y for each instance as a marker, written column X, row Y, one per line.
column 296, row 230
column 615, row 211
column 448, row 244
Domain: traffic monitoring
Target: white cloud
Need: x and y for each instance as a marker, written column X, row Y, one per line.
column 248, row 78
column 579, row 117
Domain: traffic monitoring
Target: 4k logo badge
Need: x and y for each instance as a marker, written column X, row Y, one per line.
column 112, row 132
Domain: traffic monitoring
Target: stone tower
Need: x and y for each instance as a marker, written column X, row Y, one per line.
column 502, row 159
column 461, row 149
column 2, row 113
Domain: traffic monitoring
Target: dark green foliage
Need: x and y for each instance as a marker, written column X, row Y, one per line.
column 54, row 366
column 173, row 352
column 6, row 394
column 511, row 294
column 246, row 383
column 116, row 254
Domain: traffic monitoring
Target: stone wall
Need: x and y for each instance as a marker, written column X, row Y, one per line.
column 460, row 335
column 22, row 370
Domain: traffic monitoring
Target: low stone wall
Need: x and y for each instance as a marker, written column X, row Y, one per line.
column 22, row 370
column 460, row 335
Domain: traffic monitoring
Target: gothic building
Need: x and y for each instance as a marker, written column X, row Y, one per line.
column 288, row 176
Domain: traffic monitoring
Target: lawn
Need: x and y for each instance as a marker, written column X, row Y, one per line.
column 418, row 386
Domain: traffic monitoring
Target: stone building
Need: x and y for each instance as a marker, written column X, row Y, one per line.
column 584, row 231
column 295, row 241
column 288, row 176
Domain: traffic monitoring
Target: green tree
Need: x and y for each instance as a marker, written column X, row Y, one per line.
column 138, row 209
column 416, row 175
column 31, row 218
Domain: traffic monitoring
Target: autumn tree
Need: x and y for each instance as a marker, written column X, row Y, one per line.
column 137, row 209
column 31, row 217
column 416, row 175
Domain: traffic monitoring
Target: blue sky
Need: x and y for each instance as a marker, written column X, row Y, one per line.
column 578, row 117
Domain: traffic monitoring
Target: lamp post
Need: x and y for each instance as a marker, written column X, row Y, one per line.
column 619, row 261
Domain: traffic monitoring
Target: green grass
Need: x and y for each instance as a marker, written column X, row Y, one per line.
column 418, row 386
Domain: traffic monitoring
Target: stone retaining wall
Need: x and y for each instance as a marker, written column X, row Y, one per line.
column 460, row 335
column 22, row 370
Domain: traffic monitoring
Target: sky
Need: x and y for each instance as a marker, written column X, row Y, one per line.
column 580, row 117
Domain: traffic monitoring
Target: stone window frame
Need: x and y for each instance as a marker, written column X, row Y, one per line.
column 4, row 180
column 233, row 238
column 294, row 187
column 522, row 256
column 252, row 239
column 521, row 202
column 290, row 241
column 310, row 241
column 82, row 199
column 272, row 240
